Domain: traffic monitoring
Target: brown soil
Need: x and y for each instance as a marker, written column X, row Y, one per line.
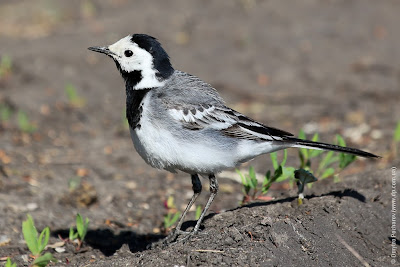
column 323, row 66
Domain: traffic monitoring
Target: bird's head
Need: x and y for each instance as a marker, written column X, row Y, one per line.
column 141, row 60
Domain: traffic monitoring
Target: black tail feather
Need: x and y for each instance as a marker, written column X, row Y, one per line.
column 324, row 146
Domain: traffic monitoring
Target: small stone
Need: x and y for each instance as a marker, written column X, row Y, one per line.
column 4, row 240
column 267, row 221
column 60, row 250
column 32, row 206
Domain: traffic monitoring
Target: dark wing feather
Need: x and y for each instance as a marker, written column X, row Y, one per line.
column 228, row 121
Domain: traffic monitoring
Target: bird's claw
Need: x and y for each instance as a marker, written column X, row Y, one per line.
column 173, row 237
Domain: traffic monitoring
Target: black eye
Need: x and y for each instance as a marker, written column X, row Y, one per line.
column 128, row 53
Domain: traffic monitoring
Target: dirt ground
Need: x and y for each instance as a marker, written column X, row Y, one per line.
column 330, row 67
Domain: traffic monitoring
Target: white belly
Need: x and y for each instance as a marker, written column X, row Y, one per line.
column 160, row 149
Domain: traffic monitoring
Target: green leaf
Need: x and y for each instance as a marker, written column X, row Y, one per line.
column 252, row 172
column 5, row 112
column 9, row 263
column 287, row 172
column 24, row 123
column 253, row 178
column 315, row 138
column 267, row 178
column 315, row 153
column 328, row 172
column 284, row 158
column 345, row 160
column 167, row 219
column 396, row 136
column 249, row 182
column 198, row 212
column 340, row 140
column 86, row 226
column 274, row 159
column 302, row 135
column 278, row 173
column 170, row 219
column 73, row 97
column 74, row 183
column 43, row 242
column 30, row 235
column 72, row 234
column 241, row 177
column 327, row 160
column 71, row 93
column 175, row 218
column 81, row 226
column 44, row 260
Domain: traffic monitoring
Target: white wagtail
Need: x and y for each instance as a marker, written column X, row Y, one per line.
column 179, row 122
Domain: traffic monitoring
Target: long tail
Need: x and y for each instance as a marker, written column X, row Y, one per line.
column 323, row 146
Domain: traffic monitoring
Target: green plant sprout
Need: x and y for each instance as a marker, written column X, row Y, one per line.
column 5, row 112
column 24, row 124
column 172, row 215
column 44, row 260
column 305, row 174
column 281, row 172
column 326, row 164
column 198, row 212
column 9, row 263
column 5, row 67
column 396, row 140
column 74, row 183
column 73, row 98
column 251, row 189
column 37, row 243
column 325, row 169
column 81, row 230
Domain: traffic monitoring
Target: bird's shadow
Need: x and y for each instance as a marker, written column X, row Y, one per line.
column 339, row 194
column 108, row 242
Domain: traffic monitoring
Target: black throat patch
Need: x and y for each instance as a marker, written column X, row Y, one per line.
column 134, row 105
column 131, row 78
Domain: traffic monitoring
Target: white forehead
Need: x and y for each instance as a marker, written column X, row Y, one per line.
column 120, row 46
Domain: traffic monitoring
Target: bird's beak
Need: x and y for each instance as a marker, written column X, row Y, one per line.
column 101, row 49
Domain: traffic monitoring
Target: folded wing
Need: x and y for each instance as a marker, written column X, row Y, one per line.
column 228, row 121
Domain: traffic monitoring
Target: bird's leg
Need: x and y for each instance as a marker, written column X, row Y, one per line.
column 196, row 192
column 213, row 193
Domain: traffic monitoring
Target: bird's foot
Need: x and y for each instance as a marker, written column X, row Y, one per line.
column 173, row 237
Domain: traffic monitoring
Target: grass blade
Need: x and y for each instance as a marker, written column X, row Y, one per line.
column 274, row 159
column 328, row 172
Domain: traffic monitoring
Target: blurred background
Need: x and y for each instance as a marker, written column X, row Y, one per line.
column 328, row 67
